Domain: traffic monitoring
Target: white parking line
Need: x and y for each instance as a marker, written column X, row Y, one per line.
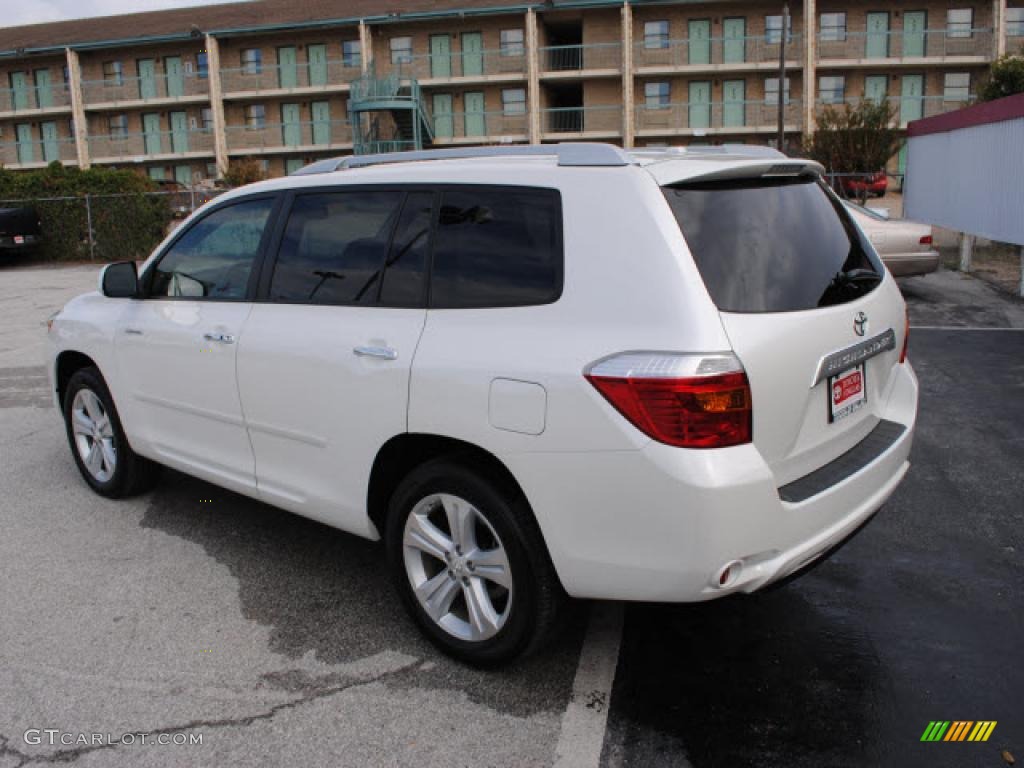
column 586, row 718
column 959, row 328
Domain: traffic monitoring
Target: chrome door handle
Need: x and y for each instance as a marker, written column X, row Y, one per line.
column 133, row 331
column 382, row 353
column 222, row 338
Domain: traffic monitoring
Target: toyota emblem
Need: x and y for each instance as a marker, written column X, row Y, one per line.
column 860, row 324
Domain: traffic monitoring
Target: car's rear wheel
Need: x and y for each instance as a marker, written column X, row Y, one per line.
column 98, row 443
column 469, row 562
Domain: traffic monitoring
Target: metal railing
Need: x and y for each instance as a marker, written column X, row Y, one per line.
column 447, row 66
column 34, row 98
column 14, row 154
column 334, row 74
column 134, row 89
column 687, row 52
column 580, row 120
column 714, row 116
column 580, row 58
column 906, row 108
column 905, row 44
column 282, row 136
column 150, row 144
column 485, row 126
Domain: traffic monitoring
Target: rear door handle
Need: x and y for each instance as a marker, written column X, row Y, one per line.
column 221, row 338
column 382, row 353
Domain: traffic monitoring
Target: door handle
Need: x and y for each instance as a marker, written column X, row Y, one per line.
column 133, row 331
column 222, row 338
column 382, row 353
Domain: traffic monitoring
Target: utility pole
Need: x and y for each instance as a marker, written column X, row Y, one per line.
column 782, row 78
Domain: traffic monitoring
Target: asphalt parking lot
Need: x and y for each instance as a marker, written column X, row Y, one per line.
column 194, row 610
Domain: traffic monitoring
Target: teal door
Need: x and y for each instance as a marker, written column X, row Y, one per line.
column 183, row 174
column 317, row 55
column 472, row 53
column 321, row 114
column 441, row 56
column 700, row 41
column 51, row 146
column 179, row 133
column 444, row 123
column 291, row 129
column 475, row 121
column 292, row 164
column 911, row 93
column 287, row 67
column 915, row 24
column 877, row 41
column 734, row 94
column 700, row 104
column 147, row 78
column 876, row 88
column 156, row 172
column 734, row 47
column 19, row 90
column 25, row 149
column 175, row 77
column 44, row 94
column 901, row 161
column 151, row 134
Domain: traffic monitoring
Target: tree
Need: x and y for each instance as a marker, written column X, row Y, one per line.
column 1005, row 78
column 243, row 171
column 856, row 139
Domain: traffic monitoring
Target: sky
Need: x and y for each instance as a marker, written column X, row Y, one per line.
column 19, row 12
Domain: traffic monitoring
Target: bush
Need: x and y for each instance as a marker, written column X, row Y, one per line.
column 245, row 170
column 1005, row 78
column 127, row 223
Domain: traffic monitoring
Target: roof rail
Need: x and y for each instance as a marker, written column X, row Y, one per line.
column 743, row 150
column 568, row 154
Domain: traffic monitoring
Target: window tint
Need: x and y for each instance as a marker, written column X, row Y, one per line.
column 405, row 273
column 497, row 247
column 334, row 247
column 773, row 246
column 214, row 257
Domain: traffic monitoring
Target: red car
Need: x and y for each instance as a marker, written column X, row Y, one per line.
column 854, row 186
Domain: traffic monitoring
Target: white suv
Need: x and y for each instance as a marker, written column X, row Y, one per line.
column 533, row 371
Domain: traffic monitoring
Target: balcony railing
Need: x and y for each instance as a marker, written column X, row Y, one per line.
column 686, row 52
column 134, row 89
column 906, row 108
column 150, row 144
column 332, row 74
column 446, row 66
column 483, row 126
column 16, row 153
column 580, row 58
column 282, row 136
column 718, row 116
column 904, row 44
column 34, row 97
column 605, row 119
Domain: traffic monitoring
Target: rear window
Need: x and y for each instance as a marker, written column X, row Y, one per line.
column 773, row 245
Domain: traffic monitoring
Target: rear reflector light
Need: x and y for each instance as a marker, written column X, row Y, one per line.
column 926, row 240
column 689, row 401
column 906, row 335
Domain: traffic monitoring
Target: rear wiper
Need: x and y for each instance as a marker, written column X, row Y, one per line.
column 856, row 276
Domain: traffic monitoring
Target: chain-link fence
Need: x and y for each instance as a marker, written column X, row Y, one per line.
column 108, row 227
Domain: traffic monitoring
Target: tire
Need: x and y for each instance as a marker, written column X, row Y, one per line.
column 98, row 443
column 511, row 583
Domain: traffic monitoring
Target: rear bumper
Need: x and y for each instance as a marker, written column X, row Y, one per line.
column 910, row 264
column 661, row 523
column 8, row 242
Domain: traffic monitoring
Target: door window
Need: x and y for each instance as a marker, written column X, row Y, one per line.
column 213, row 258
column 404, row 280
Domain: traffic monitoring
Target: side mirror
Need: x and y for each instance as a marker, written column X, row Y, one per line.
column 120, row 280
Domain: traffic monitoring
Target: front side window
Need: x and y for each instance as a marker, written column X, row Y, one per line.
column 833, row 27
column 255, row 117
column 213, row 258
column 959, row 22
column 773, row 29
column 656, row 34
column 252, row 61
column 656, row 95
column 113, row 73
column 513, row 101
column 512, row 42
column 771, row 90
column 351, row 53
column 956, row 86
column 832, row 89
column 117, row 125
column 497, row 247
column 401, row 50
column 1015, row 22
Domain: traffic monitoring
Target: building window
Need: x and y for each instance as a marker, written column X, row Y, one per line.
column 113, row 73
column 773, row 29
column 255, row 117
column 833, row 27
column 513, row 101
column 656, row 34
column 1015, row 22
column 252, row 61
column 771, row 91
column 351, row 53
column 831, row 89
column 956, row 86
column 401, row 50
column 959, row 22
column 117, row 126
column 512, row 42
column 65, row 75
column 202, row 65
column 656, row 95
column 206, row 115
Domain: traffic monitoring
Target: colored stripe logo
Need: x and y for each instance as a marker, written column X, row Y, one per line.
column 958, row 730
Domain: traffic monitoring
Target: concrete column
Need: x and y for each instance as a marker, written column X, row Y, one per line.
column 365, row 46
column 628, row 106
column 533, row 77
column 78, row 108
column 966, row 251
column 220, row 136
column 810, row 65
column 999, row 27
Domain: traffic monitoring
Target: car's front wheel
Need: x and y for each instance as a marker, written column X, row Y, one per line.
column 469, row 563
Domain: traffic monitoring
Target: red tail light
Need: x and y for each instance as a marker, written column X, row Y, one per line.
column 689, row 401
column 906, row 335
column 926, row 240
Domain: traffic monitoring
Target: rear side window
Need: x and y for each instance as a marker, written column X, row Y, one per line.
column 497, row 247
column 775, row 245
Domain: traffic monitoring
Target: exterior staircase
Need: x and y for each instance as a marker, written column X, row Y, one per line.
column 388, row 114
